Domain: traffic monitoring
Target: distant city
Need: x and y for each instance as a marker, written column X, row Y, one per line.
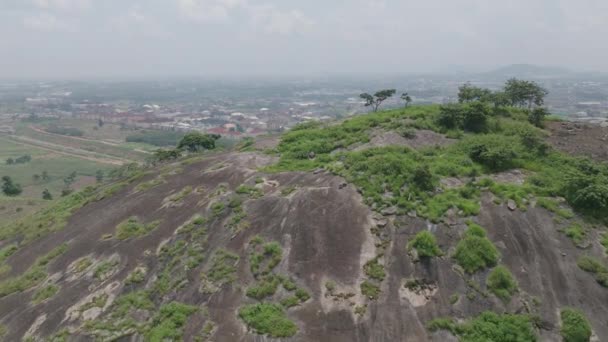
column 236, row 109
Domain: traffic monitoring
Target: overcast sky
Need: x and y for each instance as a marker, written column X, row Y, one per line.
column 109, row 38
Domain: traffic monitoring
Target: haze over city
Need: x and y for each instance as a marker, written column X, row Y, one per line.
column 71, row 39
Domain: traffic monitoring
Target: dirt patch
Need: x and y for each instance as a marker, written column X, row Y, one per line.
column 575, row 138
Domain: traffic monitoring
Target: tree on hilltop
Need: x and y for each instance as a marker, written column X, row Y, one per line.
column 376, row 100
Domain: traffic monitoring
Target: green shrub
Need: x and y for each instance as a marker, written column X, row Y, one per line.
column 169, row 322
column 370, row 290
column 576, row 232
column 223, row 267
column 33, row 276
column 374, row 269
column 604, row 241
column 425, row 245
column 265, row 288
column 132, row 228
column 489, row 326
column 474, row 252
column 45, row 293
column 494, row 151
column 501, row 283
column 268, row 319
column 575, row 327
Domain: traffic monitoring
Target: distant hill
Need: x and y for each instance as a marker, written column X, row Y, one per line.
column 528, row 71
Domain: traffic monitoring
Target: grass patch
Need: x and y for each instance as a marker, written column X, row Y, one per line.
column 133, row 228
column 489, row 326
column 45, row 293
column 217, row 208
column 575, row 327
column 264, row 288
column 268, row 319
column 250, row 191
column 595, row 267
column 576, row 232
column 604, row 241
column 136, row 277
column 263, row 259
column 374, row 269
column 223, row 267
column 475, row 251
column 33, row 276
column 501, row 283
column 105, row 269
column 425, row 245
column 169, row 322
column 554, row 207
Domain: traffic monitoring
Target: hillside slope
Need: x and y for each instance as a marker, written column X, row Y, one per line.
column 310, row 241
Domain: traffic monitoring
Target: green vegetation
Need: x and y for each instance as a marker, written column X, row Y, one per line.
column 33, row 276
column 10, row 188
column 82, row 264
column 576, row 232
column 169, row 322
column 575, row 327
column 105, row 269
column 370, row 290
column 595, row 267
column 425, row 245
column 489, row 326
column 491, row 139
column 604, row 241
column 218, row 208
column 136, row 277
column 266, row 287
column 553, row 206
column 501, row 283
column 196, row 141
column 69, row 131
column 269, row 254
column 251, row 191
column 223, row 267
column 268, row 319
column 374, row 269
column 44, row 293
column 475, row 251
column 132, row 228
column 156, row 138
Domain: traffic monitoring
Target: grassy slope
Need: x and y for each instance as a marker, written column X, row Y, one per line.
column 387, row 176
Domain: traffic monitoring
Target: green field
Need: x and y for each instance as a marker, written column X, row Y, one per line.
column 58, row 167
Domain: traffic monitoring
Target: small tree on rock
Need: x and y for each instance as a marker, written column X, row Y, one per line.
column 46, row 195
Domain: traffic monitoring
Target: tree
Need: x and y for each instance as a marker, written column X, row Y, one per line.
column 70, row 179
column 524, row 93
column 376, row 100
column 9, row 188
column 10, row 161
column 537, row 116
column 406, row 97
column 450, row 116
column 36, row 177
column 100, row 123
column 196, row 141
column 46, row 195
column 470, row 93
column 99, row 176
column 45, row 176
column 475, row 117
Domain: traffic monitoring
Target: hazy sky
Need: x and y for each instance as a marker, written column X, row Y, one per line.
column 83, row 38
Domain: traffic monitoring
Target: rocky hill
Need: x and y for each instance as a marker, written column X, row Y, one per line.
column 393, row 226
